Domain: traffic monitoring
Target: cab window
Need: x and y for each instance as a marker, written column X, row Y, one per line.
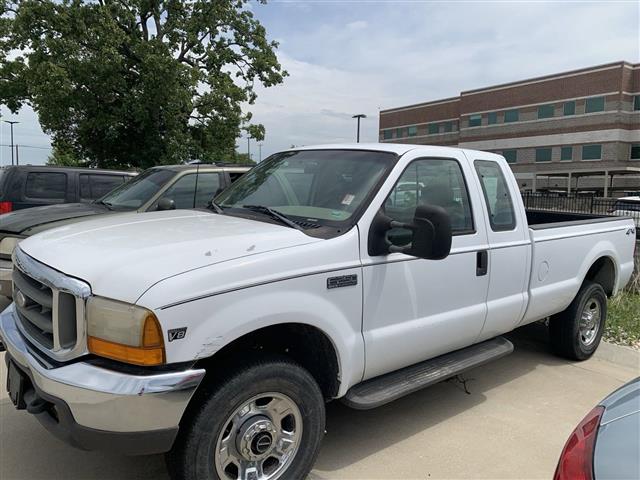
column 496, row 194
column 437, row 182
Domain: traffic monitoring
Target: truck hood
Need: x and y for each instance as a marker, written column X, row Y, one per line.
column 121, row 256
column 20, row 220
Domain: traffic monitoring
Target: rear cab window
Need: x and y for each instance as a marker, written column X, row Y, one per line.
column 94, row 186
column 496, row 195
column 46, row 185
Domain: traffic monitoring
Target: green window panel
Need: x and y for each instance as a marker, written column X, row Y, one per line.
column 635, row 151
column 399, row 132
column 475, row 120
column 546, row 111
column 511, row 115
column 387, row 134
column 492, row 118
column 543, row 154
column 595, row 104
column 413, row 131
column 569, row 108
column 636, row 102
column 434, row 128
column 591, row 152
column 448, row 127
column 566, row 153
column 511, row 156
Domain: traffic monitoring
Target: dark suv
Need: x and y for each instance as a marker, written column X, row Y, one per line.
column 27, row 186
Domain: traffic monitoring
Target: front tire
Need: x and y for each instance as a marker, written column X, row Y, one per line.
column 576, row 332
column 265, row 421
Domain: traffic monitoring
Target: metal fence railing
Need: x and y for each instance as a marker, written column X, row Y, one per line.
column 592, row 204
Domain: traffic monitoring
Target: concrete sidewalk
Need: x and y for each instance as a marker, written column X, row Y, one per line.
column 511, row 422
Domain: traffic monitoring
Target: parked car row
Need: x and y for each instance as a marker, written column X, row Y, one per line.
column 158, row 188
column 358, row 273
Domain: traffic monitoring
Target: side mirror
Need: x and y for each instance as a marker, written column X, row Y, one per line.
column 166, row 204
column 430, row 234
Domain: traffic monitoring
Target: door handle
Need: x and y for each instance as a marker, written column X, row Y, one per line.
column 482, row 263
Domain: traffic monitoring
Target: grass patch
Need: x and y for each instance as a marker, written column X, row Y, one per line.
column 623, row 319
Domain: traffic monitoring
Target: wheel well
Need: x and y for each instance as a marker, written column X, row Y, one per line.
column 603, row 271
column 307, row 345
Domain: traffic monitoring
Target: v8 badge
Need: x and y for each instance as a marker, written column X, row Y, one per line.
column 177, row 333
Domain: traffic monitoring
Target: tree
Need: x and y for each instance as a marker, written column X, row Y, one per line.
column 134, row 83
column 65, row 158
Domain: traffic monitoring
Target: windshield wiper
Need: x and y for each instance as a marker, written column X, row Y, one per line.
column 106, row 204
column 214, row 206
column 274, row 214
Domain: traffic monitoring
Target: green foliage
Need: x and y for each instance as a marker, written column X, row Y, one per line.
column 623, row 322
column 65, row 158
column 135, row 83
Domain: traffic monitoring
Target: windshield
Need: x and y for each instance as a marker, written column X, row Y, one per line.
column 325, row 187
column 137, row 191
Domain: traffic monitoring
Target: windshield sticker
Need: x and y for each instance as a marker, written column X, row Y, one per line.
column 348, row 198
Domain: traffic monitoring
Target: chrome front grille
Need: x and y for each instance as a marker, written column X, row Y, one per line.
column 34, row 306
column 49, row 307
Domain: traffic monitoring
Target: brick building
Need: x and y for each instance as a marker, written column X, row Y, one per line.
column 577, row 130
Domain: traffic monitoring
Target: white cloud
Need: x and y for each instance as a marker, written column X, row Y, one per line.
column 357, row 25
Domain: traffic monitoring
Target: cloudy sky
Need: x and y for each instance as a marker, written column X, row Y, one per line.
column 346, row 57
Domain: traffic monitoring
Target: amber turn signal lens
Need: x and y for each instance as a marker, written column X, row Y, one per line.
column 125, row 353
column 152, row 333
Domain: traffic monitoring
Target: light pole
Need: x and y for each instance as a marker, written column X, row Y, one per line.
column 12, row 123
column 359, row 116
column 248, row 148
column 259, row 152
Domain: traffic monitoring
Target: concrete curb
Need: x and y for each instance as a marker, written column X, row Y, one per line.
column 618, row 354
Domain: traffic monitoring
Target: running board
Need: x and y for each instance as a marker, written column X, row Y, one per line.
column 386, row 388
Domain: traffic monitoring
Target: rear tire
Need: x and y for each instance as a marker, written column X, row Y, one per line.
column 576, row 332
column 266, row 417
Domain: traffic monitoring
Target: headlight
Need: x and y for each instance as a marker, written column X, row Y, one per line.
column 8, row 244
column 125, row 332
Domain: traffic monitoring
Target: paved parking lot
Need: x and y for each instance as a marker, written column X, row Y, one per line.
column 512, row 423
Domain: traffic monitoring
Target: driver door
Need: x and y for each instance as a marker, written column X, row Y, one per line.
column 416, row 309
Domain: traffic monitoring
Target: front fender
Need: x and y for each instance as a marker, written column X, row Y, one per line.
column 214, row 322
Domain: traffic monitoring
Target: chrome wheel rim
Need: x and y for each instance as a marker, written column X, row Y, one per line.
column 590, row 322
column 260, row 439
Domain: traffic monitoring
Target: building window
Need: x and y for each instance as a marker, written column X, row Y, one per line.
column 635, row 151
column 591, row 152
column 492, row 118
column 636, row 102
column 546, row 111
column 399, row 132
column 511, row 116
column 543, row 154
column 475, row 120
column 595, row 104
column 387, row 134
column 448, row 127
column 434, row 128
column 412, row 131
column 569, row 108
column 511, row 156
column 566, row 153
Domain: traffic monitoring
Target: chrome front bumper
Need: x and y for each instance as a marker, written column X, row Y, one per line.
column 102, row 400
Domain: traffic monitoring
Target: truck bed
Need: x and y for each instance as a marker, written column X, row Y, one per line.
column 541, row 219
column 565, row 246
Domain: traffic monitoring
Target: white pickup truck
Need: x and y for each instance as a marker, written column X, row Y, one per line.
column 360, row 273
